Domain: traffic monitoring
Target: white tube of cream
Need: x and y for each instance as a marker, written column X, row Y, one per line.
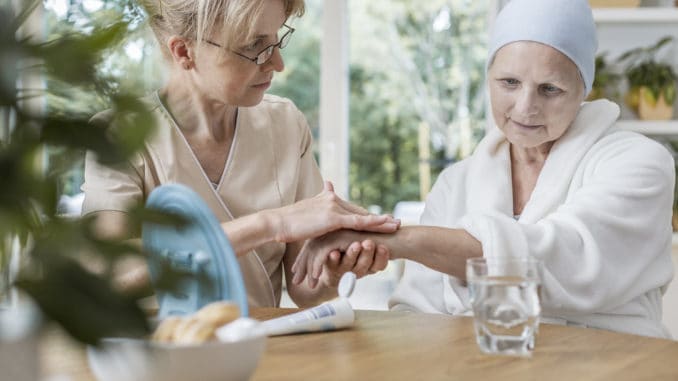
column 328, row 316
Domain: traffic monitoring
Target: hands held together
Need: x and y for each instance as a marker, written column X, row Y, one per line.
column 323, row 257
column 325, row 213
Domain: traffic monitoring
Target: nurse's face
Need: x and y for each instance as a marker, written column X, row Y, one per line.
column 535, row 92
column 224, row 76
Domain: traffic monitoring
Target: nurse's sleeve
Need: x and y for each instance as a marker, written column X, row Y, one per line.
column 110, row 189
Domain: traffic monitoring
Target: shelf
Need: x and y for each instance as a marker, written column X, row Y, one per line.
column 636, row 15
column 650, row 127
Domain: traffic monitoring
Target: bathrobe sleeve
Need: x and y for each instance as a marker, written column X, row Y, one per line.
column 608, row 243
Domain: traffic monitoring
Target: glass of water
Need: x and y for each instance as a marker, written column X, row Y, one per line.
column 504, row 294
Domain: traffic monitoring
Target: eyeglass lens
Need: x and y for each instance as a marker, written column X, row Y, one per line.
column 268, row 52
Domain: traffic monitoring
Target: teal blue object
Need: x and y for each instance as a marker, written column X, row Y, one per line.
column 200, row 248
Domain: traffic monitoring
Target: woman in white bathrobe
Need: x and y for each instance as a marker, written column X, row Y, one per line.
column 555, row 180
column 247, row 154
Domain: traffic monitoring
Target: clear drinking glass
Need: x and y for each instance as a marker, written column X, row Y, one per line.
column 504, row 295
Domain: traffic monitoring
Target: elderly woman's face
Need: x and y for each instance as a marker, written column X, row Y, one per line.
column 535, row 92
column 232, row 79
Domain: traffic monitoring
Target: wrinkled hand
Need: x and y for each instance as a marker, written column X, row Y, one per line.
column 325, row 259
column 324, row 213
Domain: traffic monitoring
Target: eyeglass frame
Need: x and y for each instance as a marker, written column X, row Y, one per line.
column 282, row 43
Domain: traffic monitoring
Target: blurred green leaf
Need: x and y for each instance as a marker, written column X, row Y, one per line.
column 73, row 59
column 79, row 134
column 133, row 123
column 8, row 59
column 85, row 305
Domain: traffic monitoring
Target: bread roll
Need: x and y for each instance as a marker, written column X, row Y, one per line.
column 164, row 333
column 218, row 313
column 196, row 328
column 194, row 331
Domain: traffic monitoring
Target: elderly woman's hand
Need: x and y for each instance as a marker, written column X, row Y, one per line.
column 325, row 259
column 324, row 213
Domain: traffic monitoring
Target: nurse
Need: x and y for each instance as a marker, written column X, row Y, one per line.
column 555, row 179
column 247, row 154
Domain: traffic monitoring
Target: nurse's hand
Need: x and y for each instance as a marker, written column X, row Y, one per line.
column 325, row 213
column 322, row 259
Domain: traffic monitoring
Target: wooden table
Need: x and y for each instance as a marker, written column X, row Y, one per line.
column 408, row 346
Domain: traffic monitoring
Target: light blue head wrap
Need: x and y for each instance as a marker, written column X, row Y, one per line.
column 566, row 25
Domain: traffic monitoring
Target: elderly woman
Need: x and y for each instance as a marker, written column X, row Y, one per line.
column 555, row 180
column 248, row 155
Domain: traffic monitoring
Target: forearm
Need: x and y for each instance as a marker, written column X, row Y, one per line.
column 441, row 249
column 249, row 232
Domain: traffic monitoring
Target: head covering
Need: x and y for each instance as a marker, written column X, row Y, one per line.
column 566, row 25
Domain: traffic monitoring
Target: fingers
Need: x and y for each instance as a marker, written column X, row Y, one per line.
column 328, row 186
column 350, row 258
column 300, row 259
column 364, row 262
column 299, row 272
column 339, row 213
column 334, row 260
column 386, row 227
column 381, row 258
column 347, row 260
column 302, row 264
column 328, row 264
column 332, row 270
column 362, row 258
column 356, row 222
column 373, row 223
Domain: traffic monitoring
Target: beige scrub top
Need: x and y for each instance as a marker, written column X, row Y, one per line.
column 270, row 165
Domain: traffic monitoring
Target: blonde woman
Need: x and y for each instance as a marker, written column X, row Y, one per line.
column 247, row 154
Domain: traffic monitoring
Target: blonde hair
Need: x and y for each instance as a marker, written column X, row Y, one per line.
column 196, row 19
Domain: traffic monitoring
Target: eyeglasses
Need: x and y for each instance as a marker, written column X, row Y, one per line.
column 263, row 56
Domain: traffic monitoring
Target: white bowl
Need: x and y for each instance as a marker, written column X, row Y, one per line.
column 140, row 360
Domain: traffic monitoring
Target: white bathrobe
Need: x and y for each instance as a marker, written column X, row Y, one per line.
column 599, row 218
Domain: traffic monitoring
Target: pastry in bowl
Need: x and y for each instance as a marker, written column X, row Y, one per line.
column 182, row 348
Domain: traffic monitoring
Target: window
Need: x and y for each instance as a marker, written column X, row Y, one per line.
column 416, row 90
column 417, row 81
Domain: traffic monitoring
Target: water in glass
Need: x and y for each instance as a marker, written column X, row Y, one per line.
column 506, row 313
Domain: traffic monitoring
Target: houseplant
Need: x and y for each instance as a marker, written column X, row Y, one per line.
column 84, row 302
column 652, row 84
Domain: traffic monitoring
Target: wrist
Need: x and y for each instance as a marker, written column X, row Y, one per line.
column 396, row 243
column 271, row 222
